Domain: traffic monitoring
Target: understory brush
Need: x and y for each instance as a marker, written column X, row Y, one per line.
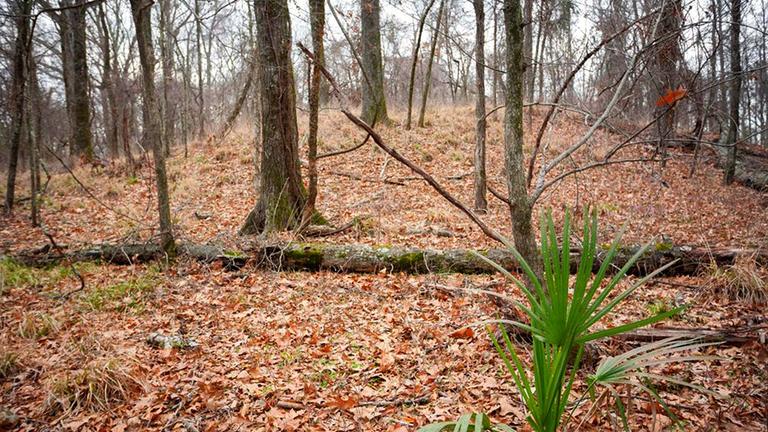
column 563, row 314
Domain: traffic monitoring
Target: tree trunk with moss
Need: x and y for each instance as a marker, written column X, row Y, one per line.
column 374, row 101
column 519, row 204
column 281, row 191
column 152, row 126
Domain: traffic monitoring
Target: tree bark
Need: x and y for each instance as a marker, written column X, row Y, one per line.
column 317, row 23
column 18, row 83
column 200, row 90
column 152, row 127
column 281, row 191
column 528, row 49
column 414, row 61
column 167, row 61
column 735, row 96
column 519, row 204
column 481, row 203
column 430, row 61
column 108, row 82
column 374, row 101
column 667, row 59
column 82, row 137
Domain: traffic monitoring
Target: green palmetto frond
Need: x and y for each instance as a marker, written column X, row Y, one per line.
column 562, row 310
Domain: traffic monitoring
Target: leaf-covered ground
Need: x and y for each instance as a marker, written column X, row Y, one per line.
column 322, row 351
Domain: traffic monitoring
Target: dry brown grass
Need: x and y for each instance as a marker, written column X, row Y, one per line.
column 94, row 388
column 744, row 280
column 38, row 325
column 9, row 364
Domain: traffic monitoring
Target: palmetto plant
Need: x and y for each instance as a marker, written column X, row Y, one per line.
column 563, row 312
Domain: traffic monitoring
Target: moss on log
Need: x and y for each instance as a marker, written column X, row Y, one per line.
column 358, row 258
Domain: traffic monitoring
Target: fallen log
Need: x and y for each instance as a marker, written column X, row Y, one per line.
column 728, row 336
column 359, row 258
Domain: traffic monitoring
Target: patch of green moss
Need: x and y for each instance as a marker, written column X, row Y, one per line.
column 408, row 261
column 318, row 219
column 664, row 246
column 305, row 255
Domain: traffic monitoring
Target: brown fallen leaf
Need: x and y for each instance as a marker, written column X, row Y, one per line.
column 463, row 333
column 341, row 402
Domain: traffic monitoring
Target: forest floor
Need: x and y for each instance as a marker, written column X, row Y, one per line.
column 346, row 352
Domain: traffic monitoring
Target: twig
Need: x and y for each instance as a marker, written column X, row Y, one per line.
column 421, row 400
column 359, row 178
column 497, row 194
column 71, row 265
column 318, row 231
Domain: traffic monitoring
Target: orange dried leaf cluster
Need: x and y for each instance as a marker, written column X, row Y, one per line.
column 671, row 97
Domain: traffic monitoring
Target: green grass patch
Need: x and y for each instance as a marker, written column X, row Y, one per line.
column 122, row 296
column 17, row 275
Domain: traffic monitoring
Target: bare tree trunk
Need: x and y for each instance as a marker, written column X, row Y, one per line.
column 152, row 127
column 18, row 83
column 430, row 61
column 82, row 137
column 281, row 196
column 167, row 62
column 200, row 90
column 374, row 100
column 667, row 59
column 712, row 98
column 317, row 22
column 414, row 61
column 735, row 90
column 495, row 54
column 108, row 82
column 519, row 203
column 34, row 136
column 481, row 204
column 530, row 70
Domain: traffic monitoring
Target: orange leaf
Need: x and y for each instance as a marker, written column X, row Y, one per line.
column 309, row 389
column 671, row 96
column 463, row 333
column 342, row 402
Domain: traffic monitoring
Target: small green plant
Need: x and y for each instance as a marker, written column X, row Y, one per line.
column 474, row 422
column 37, row 325
column 660, row 306
column 13, row 274
column 562, row 313
column 9, row 364
column 132, row 180
column 621, row 369
column 128, row 294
